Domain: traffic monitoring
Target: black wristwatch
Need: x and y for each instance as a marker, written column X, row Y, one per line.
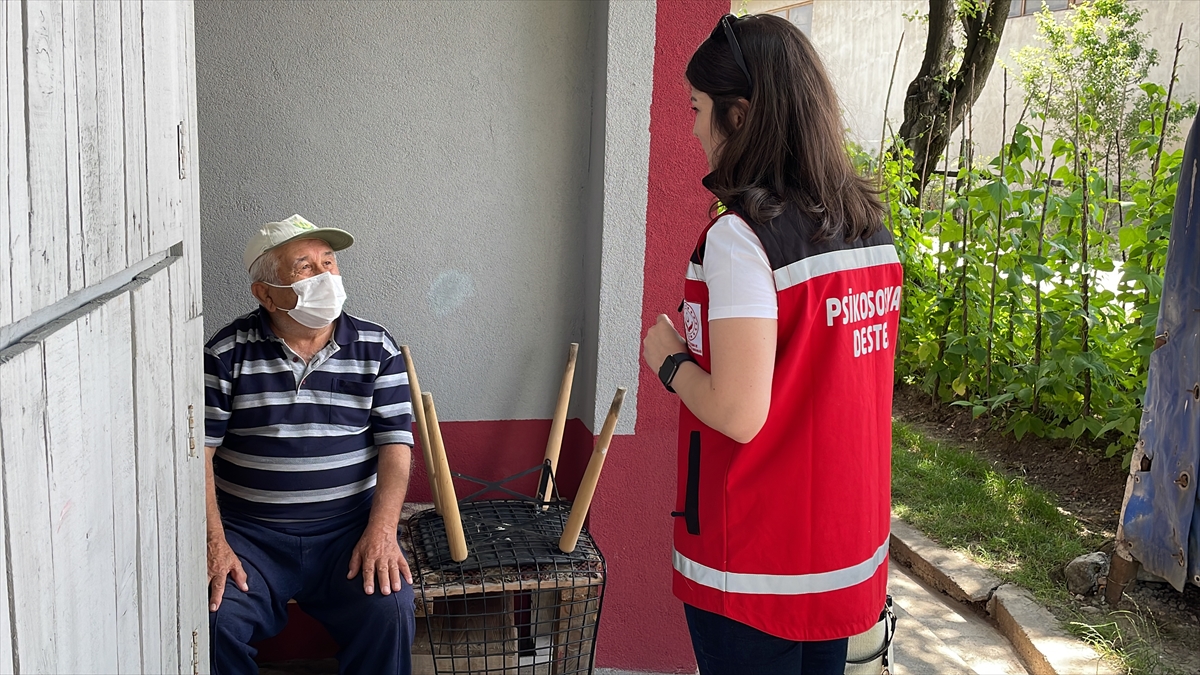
column 670, row 366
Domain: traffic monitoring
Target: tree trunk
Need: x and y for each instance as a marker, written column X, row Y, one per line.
column 929, row 116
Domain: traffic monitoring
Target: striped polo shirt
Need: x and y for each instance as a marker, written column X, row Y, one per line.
column 297, row 442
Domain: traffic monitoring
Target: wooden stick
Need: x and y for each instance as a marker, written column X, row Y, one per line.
column 886, row 102
column 414, row 394
column 554, row 444
column 450, row 516
column 587, row 487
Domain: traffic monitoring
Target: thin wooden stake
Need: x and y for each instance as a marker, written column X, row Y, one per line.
column 1166, row 112
column 987, row 387
column 1081, row 171
column 1037, row 283
column 1120, row 209
column 968, row 219
column 887, row 101
column 945, row 179
column 1037, row 331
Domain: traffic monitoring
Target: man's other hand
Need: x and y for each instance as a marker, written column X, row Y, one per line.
column 222, row 563
column 378, row 554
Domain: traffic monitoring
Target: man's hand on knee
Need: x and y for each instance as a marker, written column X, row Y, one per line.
column 378, row 554
column 222, row 563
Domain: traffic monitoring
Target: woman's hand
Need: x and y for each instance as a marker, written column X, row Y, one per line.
column 662, row 340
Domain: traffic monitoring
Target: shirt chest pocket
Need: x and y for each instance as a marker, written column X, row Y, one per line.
column 350, row 402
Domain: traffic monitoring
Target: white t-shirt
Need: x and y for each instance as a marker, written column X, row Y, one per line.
column 740, row 281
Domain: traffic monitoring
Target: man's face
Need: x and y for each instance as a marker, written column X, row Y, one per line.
column 299, row 259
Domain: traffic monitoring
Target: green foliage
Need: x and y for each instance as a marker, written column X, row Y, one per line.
column 1075, row 382
column 1090, row 65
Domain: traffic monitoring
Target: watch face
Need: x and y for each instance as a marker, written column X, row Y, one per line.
column 667, row 372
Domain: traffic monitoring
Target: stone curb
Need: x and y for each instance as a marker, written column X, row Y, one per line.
column 950, row 572
column 1035, row 634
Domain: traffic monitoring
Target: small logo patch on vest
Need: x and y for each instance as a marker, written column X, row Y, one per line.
column 693, row 328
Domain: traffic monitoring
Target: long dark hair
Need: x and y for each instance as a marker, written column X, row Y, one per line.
column 791, row 148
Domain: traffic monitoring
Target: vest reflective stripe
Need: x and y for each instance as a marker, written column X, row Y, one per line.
column 834, row 261
column 781, row 584
column 695, row 272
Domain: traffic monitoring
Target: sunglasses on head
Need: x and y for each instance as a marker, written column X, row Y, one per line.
column 727, row 23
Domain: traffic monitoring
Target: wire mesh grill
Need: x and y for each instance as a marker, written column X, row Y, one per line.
column 517, row 604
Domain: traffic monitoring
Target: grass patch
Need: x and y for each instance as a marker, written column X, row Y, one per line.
column 1014, row 529
column 1127, row 636
column 1008, row 525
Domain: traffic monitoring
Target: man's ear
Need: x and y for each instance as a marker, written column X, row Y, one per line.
column 261, row 293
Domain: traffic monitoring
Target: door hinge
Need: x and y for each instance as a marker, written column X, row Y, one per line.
column 182, row 134
column 192, row 432
column 195, row 652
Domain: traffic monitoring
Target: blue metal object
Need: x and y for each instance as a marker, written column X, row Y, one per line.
column 1161, row 516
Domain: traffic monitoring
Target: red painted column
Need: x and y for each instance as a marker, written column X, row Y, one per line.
column 642, row 627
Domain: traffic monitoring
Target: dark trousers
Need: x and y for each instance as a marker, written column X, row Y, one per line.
column 374, row 632
column 727, row 647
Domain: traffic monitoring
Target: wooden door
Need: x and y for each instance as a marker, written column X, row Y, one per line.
column 101, row 382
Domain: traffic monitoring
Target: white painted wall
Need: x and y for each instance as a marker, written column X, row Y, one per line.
column 858, row 42
column 451, row 138
column 614, row 259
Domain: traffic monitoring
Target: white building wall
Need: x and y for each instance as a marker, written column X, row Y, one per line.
column 858, row 42
column 451, row 138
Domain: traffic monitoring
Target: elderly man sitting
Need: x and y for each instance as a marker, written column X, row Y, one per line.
column 308, row 434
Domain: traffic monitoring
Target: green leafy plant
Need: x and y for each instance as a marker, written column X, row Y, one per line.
column 1033, row 278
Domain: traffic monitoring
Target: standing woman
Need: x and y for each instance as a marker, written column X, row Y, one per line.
column 791, row 309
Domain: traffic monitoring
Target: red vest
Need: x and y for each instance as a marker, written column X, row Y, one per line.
column 789, row 533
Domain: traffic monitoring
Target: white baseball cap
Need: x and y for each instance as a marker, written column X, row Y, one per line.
column 296, row 227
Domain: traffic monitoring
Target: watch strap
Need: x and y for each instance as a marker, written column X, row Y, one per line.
column 670, row 366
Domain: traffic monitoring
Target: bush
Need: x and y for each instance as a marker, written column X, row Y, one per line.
column 1020, row 300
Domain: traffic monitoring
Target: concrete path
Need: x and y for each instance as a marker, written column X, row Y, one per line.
column 935, row 634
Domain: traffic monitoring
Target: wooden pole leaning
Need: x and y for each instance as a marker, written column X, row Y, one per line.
column 554, row 443
column 587, row 487
column 418, row 405
column 450, row 516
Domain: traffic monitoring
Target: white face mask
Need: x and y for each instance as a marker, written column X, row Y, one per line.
column 319, row 300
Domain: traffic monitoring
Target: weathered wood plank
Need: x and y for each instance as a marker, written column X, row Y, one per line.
column 191, row 190
column 137, row 234
column 163, row 49
column 154, row 437
column 68, row 528
column 47, row 147
column 119, row 355
column 104, row 210
column 78, row 425
column 16, row 302
column 187, row 342
column 27, row 500
column 5, row 159
column 6, row 634
column 79, row 104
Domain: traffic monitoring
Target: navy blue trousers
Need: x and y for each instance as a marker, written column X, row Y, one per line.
column 374, row 632
column 727, row 647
